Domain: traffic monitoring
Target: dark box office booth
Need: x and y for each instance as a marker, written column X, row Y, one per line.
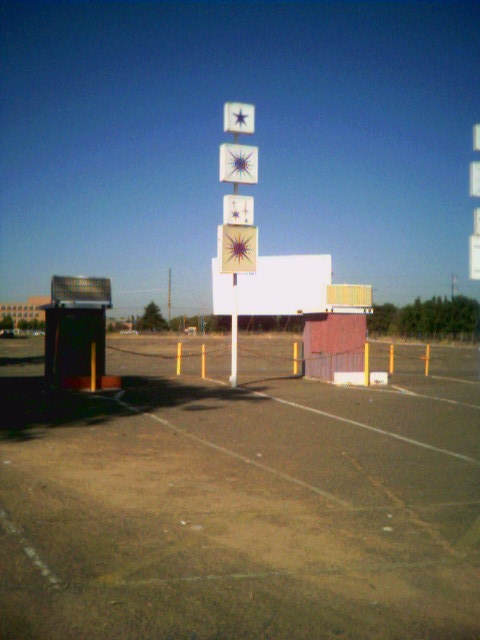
column 75, row 330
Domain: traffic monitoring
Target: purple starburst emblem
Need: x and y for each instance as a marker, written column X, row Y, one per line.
column 241, row 163
column 239, row 248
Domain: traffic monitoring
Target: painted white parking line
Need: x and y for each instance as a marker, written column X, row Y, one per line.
column 406, row 392
column 325, row 494
column 461, row 380
column 36, row 560
column 362, row 425
column 425, row 396
column 321, row 570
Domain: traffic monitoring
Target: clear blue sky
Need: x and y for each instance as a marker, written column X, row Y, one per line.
column 112, row 117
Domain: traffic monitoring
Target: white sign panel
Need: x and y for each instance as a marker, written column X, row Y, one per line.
column 237, row 209
column 282, row 285
column 238, row 117
column 238, row 163
column 475, row 257
column 476, row 222
column 476, row 137
column 475, row 179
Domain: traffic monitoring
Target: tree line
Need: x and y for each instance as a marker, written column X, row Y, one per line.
column 438, row 318
column 153, row 320
column 7, row 322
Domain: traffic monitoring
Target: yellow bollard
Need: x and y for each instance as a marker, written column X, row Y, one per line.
column 179, row 358
column 295, row 358
column 367, row 365
column 392, row 359
column 203, row 361
column 427, row 359
column 93, row 368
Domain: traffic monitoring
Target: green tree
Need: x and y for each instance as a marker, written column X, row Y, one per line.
column 464, row 317
column 6, row 322
column 383, row 320
column 152, row 319
column 410, row 322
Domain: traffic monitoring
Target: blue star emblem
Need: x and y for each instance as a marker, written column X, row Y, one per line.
column 241, row 118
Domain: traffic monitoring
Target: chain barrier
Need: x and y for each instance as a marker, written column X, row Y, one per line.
column 162, row 356
column 226, row 348
column 335, row 354
column 214, row 353
column 259, row 354
column 403, row 353
column 140, row 353
column 392, row 357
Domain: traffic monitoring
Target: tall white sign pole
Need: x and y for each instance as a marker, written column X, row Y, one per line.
column 475, row 193
column 233, row 375
column 238, row 237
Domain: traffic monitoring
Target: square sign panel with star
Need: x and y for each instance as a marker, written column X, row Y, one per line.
column 238, row 163
column 238, row 117
column 237, row 248
column 237, row 209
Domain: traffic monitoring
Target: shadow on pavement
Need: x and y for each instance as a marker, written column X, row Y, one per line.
column 29, row 405
column 23, row 361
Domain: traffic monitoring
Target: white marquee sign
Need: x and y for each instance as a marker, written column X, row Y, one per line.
column 282, row 285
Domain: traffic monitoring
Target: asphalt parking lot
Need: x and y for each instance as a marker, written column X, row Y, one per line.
column 180, row 508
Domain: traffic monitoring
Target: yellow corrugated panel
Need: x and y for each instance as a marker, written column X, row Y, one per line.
column 352, row 295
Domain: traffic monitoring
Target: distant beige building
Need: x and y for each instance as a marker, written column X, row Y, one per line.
column 28, row 310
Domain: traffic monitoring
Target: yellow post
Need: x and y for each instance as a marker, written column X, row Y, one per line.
column 93, row 368
column 179, row 358
column 392, row 359
column 427, row 359
column 367, row 365
column 295, row 358
column 203, row 361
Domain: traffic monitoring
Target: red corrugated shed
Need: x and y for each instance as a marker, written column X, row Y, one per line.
column 333, row 342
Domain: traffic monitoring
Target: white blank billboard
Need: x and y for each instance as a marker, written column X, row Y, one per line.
column 282, row 285
column 474, row 257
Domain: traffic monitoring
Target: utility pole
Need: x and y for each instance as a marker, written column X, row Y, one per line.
column 169, row 296
column 454, row 285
